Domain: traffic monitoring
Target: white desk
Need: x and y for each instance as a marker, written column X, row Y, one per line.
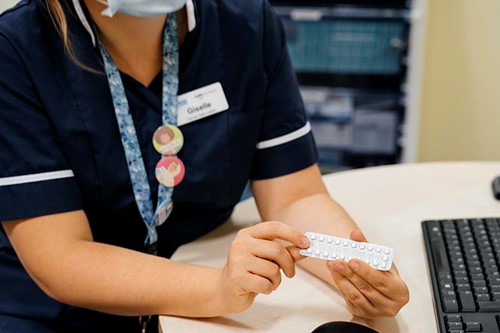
column 388, row 203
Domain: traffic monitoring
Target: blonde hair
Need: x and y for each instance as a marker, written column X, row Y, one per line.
column 58, row 17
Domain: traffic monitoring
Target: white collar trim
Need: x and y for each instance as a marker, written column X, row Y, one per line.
column 191, row 17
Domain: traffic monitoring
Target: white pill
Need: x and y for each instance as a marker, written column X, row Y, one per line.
column 317, row 252
column 354, row 245
column 334, row 255
column 378, row 250
column 325, row 254
column 375, row 263
column 346, row 243
column 329, row 240
column 321, row 238
column 384, row 265
column 309, row 251
column 385, row 258
column 362, row 246
column 370, row 248
column 337, row 241
column 387, row 251
column 313, row 237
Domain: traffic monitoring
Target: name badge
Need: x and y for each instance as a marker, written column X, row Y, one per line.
column 201, row 103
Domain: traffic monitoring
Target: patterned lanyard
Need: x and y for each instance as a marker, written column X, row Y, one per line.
column 152, row 218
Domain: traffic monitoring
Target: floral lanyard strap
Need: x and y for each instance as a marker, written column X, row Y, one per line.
column 169, row 170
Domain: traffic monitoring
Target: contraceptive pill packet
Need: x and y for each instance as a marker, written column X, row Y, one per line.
column 332, row 248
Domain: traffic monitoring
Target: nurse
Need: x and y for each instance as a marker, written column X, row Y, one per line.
column 93, row 203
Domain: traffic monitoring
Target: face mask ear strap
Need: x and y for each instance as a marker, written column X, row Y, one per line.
column 191, row 15
column 83, row 19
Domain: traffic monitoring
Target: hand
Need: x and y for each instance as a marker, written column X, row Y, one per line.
column 255, row 262
column 369, row 293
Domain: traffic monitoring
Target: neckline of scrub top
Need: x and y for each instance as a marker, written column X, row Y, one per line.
column 84, row 20
column 152, row 86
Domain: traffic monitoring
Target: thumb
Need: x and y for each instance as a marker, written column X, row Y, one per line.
column 294, row 252
column 357, row 235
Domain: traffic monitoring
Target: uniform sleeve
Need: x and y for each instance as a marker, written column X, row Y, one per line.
column 35, row 178
column 286, row 143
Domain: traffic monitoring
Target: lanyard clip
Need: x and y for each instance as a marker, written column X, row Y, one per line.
column 143, row 322
column 152, row 248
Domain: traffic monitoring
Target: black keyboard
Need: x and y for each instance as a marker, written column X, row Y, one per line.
column 463, row 257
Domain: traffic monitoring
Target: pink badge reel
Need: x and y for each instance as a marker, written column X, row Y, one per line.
column 170, row 171
column 168, row 140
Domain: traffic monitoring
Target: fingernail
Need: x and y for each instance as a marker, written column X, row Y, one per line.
column 339, row 267
column 354, row 265
column 305, row 241
column 330, row 266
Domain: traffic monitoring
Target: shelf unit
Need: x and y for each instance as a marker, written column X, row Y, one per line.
column 352, row 60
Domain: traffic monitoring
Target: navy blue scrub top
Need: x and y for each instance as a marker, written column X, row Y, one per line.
column 61, row 148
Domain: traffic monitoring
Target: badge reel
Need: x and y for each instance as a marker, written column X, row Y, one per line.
column 170, row 171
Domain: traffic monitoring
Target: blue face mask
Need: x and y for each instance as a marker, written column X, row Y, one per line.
column 141, row 8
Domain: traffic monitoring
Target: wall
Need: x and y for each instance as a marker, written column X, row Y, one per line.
column 4, row 4
column 460, row 106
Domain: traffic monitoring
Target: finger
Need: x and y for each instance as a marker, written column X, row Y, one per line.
column 266, row 269
column 387, row 283
column 360, row 303
column 294, row 252
column 379, row 280
column 363, row 285
column 385, row 305
column 256, row 284
column 364, row 313
column 278, row 230
column 274, row 252
column 357, row 235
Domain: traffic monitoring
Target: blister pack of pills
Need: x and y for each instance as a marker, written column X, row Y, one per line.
column 332, row 248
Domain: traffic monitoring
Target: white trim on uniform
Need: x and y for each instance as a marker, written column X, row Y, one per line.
column 191, row 15
column 39, row 177
column 285, row 138
column 83, row 19
column 191, row 18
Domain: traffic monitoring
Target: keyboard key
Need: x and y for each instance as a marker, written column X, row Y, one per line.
column 477, row 276
column 482, row 297
column 479, row 283
column 494, row 281
column 466, row 300
column 440, row 256
column 444, row 277
column 492, row 306
column 465, row 286
column 455, row 325
column 480, row 290
column 450, row 305
column 473, row 326
column 453, row 318
column 449, row 294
